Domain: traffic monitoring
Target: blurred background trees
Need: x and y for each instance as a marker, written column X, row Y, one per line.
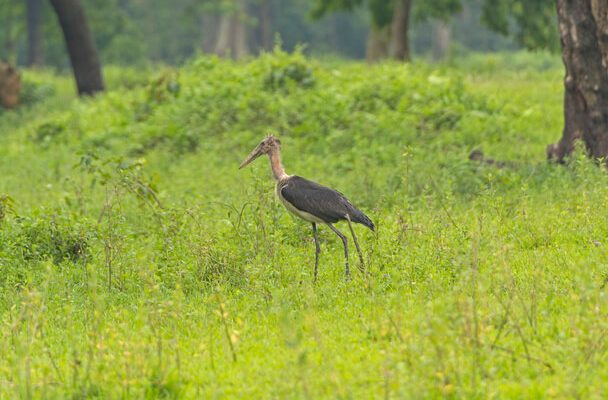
column 134, row 32
column 137, row 32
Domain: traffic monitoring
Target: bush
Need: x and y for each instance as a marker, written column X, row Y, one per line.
column 54, row 237
column 283, row 70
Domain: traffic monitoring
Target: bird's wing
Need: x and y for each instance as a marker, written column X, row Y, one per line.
column 318, row 200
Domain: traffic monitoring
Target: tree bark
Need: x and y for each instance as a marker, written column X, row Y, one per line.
column 583, row 28
column 377, row 44
column 599, row 9
column 34, row 33
column 442, row 38
column 400, row 30
column 81, row 46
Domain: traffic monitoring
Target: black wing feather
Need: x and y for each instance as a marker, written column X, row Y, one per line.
column 323, row 202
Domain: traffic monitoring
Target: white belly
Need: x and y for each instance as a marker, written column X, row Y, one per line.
column 292, row 209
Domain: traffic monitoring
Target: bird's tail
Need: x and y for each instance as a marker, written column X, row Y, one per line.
column 359, row 217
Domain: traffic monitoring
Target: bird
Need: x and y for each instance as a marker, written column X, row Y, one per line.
column 311, row 201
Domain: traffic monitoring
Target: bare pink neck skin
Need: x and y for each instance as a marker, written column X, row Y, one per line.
column 275, row 163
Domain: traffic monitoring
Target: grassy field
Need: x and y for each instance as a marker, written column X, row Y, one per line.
column 136, row 260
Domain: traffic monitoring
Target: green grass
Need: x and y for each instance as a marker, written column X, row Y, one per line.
column 482, row 282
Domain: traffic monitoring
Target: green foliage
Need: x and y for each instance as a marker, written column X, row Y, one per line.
column 532, row 22
column 483, row 281
column 119, row 173
column 116, row 32
column 159, row 90
column 55, row 237
column 285, row 69
column 35, row 91
column 47, row 132
column 437, row 9
column 381, row 11
column 7, row 205
column 517, row 62
column 323, row 7
column 11, row 15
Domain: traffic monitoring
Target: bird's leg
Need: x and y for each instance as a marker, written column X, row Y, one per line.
column 318, row 248
column 352, row 231
column 345, row 241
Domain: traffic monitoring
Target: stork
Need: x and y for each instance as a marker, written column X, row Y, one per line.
column 310, row 201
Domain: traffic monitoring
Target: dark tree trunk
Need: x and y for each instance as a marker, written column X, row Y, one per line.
column 400, row 29
column 81, row 46
column 377, row 44
column 583, row 28
column 34, row 33
column 600, row 13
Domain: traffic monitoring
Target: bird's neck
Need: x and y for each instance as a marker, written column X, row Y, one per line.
column 275, row 163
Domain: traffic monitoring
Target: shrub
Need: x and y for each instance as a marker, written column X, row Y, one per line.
column 55, row 237
column 285, row 69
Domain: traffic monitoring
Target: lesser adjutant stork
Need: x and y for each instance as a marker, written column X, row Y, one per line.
column 310, row 201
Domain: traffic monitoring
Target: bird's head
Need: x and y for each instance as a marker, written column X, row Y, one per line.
column 267, row 145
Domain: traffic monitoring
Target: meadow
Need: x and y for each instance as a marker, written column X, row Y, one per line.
column 137, row 261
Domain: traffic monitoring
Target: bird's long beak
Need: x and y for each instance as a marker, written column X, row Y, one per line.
column 252, row 156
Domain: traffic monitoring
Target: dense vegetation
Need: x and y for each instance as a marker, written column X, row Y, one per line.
column 137, row 260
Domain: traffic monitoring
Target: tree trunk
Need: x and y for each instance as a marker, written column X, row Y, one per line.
column 400, row 28
column 210, row 27
column 81, row 46
column 377, row 44
column 583, row 27
column 224, row 34
column 442, row 37
column 265, row 13
column 34, row 33
column 600, row 14
column 232, row 33
column 239, row 30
